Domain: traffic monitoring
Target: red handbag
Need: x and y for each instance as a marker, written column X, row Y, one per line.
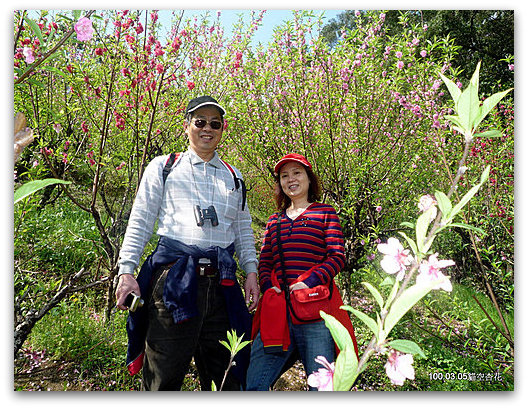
column 306, row 303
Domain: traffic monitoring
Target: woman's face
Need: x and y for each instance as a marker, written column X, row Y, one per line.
column 294, row 181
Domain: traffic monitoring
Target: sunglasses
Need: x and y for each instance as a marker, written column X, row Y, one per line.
column 200, row 123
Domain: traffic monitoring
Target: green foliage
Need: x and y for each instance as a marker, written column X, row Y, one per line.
column 31, row 187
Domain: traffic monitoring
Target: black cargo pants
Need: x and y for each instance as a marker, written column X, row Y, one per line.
column 170, row 347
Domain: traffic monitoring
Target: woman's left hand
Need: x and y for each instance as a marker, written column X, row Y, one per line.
column 298, row 286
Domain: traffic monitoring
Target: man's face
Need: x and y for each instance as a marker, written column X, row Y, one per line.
column 204, row 140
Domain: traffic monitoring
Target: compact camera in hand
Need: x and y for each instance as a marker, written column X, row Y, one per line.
column 201, row 215
column 133, row 302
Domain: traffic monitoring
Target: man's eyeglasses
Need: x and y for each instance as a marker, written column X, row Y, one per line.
column 200, row 123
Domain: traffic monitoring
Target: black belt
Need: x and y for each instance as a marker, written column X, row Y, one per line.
column 206, row 270
column 203, row 270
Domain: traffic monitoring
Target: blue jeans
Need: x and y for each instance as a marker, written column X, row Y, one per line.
column 309, row 340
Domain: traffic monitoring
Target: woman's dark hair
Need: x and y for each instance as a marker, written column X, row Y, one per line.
column 314, row 190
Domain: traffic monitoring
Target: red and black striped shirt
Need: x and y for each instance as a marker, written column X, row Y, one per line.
column 314, row 240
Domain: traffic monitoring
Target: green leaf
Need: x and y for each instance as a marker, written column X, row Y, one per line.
column 406, row 346
column 422, row 224
column 392, row 294
column 492, row 133
column 389, row 281
column 452, row 87
column 224, row 343
column 375, row 293
column 444, row 204
column 485, row 175
column 346, row 369
column 465, row 199
column 339, row 333
column 35, row 28
column 405, row 302
column 31, row 187
column 468, row 227
column 369, row 322
column 456, row 120
column 488, row 104
column 407, row 224
column 55, row 70
column 410, row 242
column 466, row 108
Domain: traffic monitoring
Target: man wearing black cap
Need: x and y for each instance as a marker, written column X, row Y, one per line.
column 189, row 285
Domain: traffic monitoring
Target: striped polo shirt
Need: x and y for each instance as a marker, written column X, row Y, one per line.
column 314, row 240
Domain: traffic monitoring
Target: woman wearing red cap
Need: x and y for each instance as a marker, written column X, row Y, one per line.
column 312, row 254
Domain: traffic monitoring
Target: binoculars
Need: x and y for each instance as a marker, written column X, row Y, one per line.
column 201, row 215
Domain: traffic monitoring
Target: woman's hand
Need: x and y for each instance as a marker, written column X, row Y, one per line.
column 298, row 286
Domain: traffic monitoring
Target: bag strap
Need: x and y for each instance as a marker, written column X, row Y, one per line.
column 281, row 256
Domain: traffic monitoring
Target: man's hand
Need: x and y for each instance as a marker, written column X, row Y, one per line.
column 252, row 291
column 127, row 284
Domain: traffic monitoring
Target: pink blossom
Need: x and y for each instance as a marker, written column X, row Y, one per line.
column 29, row 54
column 190, row 85
column 399, row 54
column 423, row 53
column 426, row 202
column 396, row 259
column 323, row 379
column 84, row 29
column 430, row 271
column 400, row 65
column 399, row 367
column 511, row 67
column 378, row 209
column 57, row 127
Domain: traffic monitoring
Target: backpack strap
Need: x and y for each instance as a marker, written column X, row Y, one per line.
column 173, row 158
column 238, row 182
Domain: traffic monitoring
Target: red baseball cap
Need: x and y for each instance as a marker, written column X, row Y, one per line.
column 292, row 157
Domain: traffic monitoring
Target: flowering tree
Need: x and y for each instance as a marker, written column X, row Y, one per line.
column 366, row 113
column 405, row 263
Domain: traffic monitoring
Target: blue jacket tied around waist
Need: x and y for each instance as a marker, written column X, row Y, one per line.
column 180, row 294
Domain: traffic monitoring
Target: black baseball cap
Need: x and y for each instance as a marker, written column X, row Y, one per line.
column 202, row 101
